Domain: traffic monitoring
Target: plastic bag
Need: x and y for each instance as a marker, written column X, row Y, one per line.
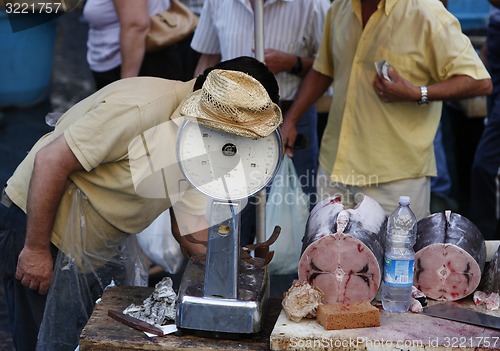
column 92, row 254
column 159, row 244
column 288, row 207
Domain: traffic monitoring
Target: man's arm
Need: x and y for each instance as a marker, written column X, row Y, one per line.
column 205, row 61
column 183, row 223
column 53, row 164
column 280, row 61
column 312, row 87
column 457, row 87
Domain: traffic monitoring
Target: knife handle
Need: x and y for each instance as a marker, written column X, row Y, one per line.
column 135, row 323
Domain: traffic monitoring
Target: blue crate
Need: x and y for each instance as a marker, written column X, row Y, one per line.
column 26, row 69
column 472, row 14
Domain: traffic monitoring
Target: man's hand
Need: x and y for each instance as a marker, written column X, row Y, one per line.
column 397, row 89
column 34, row 269
column 455, row 87
column 278, row 61
column 289, row 135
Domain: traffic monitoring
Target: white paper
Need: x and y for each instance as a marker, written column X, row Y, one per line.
column 382, row 67
column 167, row 329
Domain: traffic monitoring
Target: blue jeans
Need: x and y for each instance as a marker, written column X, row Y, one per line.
column 485, row 176
column 24, row 306
column 441, row 184
column 51, row 322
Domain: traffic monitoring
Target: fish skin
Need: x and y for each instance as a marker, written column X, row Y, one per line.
column 490, row 282
column 451, row 228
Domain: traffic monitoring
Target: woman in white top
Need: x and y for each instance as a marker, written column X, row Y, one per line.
column 117, row 38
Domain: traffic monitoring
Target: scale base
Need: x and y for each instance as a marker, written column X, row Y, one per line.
column 221, row 315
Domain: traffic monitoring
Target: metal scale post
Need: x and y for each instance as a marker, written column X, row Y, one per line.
column 223, row 293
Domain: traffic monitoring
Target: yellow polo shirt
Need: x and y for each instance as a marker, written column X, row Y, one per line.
column 100, row 131
column 367, row 141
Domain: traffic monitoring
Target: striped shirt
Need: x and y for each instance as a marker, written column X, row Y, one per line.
column 226, row 27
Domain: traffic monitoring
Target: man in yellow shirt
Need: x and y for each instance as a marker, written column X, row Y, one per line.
column 380, row 131
column 69, row 208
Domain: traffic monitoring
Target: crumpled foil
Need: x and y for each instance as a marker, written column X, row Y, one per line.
column 159, row 308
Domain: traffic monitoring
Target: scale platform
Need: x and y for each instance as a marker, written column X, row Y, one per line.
column 241, row 315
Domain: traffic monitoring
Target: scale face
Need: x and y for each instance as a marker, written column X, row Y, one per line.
column 226, row 166
column 222, row 293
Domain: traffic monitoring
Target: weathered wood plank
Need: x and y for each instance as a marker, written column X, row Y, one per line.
column 102, row 333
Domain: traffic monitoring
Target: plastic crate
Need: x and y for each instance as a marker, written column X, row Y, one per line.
column 26, row 69
column 472, row 14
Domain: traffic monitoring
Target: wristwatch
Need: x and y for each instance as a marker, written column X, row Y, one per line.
column 297, row 67
column 423, row 96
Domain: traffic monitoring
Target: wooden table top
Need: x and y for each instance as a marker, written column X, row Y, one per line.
column 102, row 333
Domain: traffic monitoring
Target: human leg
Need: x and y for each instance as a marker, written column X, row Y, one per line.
column 485, row 175
column 305, row 157
column 25, row 307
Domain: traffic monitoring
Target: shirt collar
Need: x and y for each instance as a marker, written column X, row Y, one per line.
column 387, row 5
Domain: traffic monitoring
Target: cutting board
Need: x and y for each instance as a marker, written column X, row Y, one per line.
column 398, row 331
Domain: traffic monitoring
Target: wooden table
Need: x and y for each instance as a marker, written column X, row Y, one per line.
column 102, row 333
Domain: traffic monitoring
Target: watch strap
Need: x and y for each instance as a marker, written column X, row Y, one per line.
column 424, row 100
column 297, row 67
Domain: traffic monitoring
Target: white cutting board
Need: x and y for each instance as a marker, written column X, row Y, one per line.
column 398, row 331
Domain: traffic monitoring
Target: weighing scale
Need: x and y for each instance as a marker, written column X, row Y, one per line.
column 224, row 294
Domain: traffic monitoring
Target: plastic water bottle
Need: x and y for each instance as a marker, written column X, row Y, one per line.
column 399, row 258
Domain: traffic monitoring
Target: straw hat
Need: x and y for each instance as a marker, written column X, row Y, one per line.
column 234, row 102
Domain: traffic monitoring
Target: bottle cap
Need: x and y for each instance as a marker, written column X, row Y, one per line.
column 404, row 200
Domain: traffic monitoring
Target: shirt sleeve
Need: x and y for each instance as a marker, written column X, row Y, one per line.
column 205, row 39
column 453, row 51
column 324, row 59
column 104, row 133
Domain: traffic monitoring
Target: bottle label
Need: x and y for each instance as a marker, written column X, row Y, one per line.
column 398, row 272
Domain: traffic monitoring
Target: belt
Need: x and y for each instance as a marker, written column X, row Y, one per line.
column 6, row 201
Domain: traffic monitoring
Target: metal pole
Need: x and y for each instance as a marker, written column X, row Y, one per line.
column 258, row 8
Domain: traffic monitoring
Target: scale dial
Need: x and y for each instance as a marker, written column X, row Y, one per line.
column 226, row 166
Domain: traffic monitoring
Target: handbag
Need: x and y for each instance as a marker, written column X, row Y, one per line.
column 288, row 207
column 171, row 26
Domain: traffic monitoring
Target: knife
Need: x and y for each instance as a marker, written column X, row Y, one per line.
column 445, row 311
column 135, row 323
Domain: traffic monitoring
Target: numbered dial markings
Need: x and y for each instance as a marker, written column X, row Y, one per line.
column 226, row 166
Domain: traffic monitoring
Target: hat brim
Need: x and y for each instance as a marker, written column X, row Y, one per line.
column 190, row 107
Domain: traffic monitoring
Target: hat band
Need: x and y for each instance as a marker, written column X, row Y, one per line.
column 210, row 113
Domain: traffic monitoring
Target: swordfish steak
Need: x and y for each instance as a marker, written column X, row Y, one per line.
column 343, row 250
column 450, row 256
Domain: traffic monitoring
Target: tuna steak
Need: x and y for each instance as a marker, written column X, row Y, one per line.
column 450, row 256
column 343, row 250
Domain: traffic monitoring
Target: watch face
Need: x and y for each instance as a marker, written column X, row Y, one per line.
column 226, row 166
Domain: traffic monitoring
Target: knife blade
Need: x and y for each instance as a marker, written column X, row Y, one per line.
column 454, row 313
column 135, row 323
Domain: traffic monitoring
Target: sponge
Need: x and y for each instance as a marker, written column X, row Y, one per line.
column 355, row 315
